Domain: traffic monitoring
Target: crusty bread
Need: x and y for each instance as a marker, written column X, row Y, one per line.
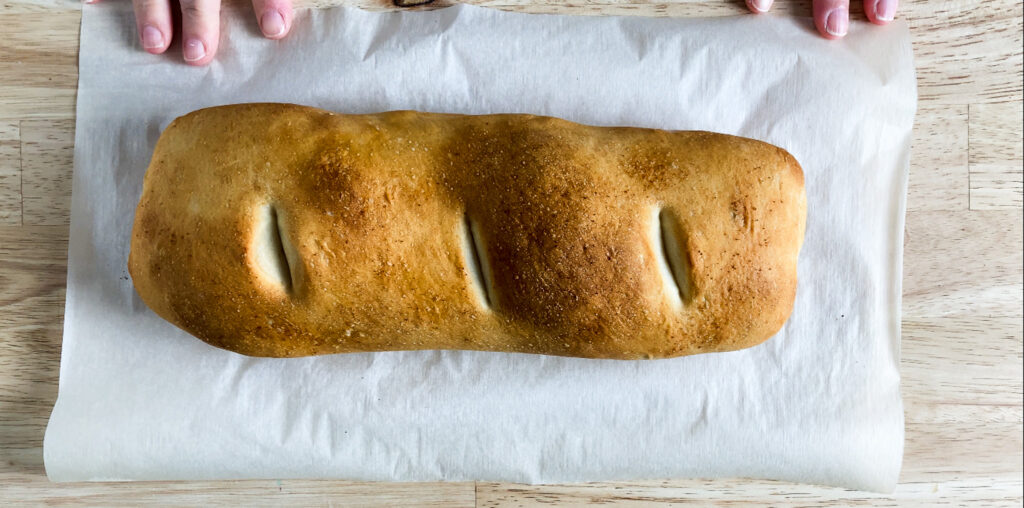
column 281, row 230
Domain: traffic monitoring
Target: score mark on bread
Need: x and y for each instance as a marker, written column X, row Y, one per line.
column 675, row 267
column 476, row 261
column 275, row 256
column 281, row 230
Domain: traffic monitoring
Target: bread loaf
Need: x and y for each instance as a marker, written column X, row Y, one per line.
column 281, row 230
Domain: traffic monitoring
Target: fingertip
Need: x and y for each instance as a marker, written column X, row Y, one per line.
column 153, row 19
column 274, row 23
column 759, row 6
column 197, row 52
column 830, row 36
column 880, row 12
column 833, row 24
column 200, row 29
column 153, row 39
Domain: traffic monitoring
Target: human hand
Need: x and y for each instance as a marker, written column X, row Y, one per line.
column 200, row 25
column 832, row 17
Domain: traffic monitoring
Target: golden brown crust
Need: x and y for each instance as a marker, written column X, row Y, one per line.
column 374, row 214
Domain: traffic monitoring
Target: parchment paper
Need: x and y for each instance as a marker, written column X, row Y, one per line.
column 818, row 403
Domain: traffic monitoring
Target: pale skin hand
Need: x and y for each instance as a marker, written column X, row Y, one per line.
column 200, row 25
column 832, row 17
column 200, row 20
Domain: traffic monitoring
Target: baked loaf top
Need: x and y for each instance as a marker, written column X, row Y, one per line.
column 281, row 230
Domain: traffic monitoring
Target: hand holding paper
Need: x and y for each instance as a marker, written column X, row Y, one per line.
column 819, row 402
column 201, row 22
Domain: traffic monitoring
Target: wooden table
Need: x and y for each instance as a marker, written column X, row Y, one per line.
column 962, row 308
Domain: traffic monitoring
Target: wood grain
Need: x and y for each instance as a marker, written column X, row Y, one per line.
column 241, row 493
column 962, row 264
column 938, row 164
column 742, row 492
column 963, row 361
column 963, row 277
column 996, row 140
column 10, row 173
column 38, row 63
column 967, row 52
column 47, row 156
column 33, row 267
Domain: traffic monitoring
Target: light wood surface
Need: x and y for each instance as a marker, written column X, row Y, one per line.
column 963, row 282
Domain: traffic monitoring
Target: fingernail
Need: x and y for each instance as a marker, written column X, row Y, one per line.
column 837, row 22
column 272, row 24
column 885, row 10
column 761, row 5
column 151, row 37
column 194, row 50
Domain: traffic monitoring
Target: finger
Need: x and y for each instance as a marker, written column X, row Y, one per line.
column 759, row 6
column 832, row 17
column 881, row 12
column 275, row 17
column 200, row 30
column 153, row 20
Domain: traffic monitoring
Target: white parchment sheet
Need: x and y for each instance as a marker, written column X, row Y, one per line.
column 817, row 403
